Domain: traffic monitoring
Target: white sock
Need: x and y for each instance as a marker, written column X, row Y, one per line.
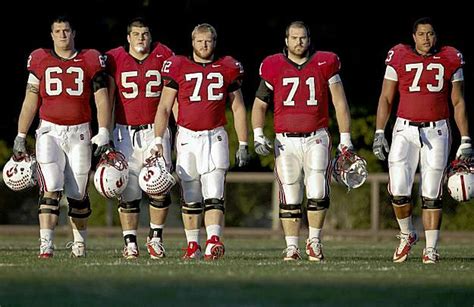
column 79, row 235
column 47, row 234
column 154, row 226
column 431, row 237
column 406, row 225
column 129, row 232
column 213, row 230
column 315, row 232
column 291, row 240
column 192, row 235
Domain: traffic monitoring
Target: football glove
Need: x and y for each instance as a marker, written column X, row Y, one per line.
column 380, row 145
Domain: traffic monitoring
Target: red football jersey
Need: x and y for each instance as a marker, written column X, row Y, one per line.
column 138, row 83
column 300, row 92
column 424, row 82
column 202, row 89
column 65, row 85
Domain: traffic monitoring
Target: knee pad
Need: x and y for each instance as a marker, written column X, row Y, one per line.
column 400, row 200
column 161, row 203
column 318, row 204
column 290, row 211
column 214, row 203
column 191, row 208
column 79, row 208
column 428, row 203
column 129, row 206
column 48, row 205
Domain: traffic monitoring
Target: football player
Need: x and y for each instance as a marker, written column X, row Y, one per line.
column 298, row 83
column 137, row 87
column 427, row 77
column 202, row 85
column 60, row 84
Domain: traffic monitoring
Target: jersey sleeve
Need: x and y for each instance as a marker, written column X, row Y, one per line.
column 110, row 63
column 235, row 72
column 334, row 65
column 170, row 71
column 395, row 56
column 34, row 61
column 95, row 62
column 266, row 70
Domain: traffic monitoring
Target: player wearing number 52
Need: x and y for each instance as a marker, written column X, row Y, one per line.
column 202, row 85
column 426, row 77
column 60, row 83
column 137, row 86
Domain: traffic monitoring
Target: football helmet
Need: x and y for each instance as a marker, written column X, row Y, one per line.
column 461, row 179
column 111, row 175
column 154, row 178
column 349, row 169
column 20, row 173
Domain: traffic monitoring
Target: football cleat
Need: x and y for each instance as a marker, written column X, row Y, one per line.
column 291, row 253
column 155, row 248
column 193, row 251
column 406, row 243
column 430, row 255
column 130, row 251
column 214, row 249
column 46, row 249
column 314, row 249
column 78, row 249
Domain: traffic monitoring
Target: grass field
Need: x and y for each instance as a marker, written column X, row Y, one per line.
column 356, row 273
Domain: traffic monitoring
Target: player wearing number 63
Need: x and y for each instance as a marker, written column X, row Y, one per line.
column 427, row 77
column 202, row 85
column 137, row 89
column 60, row 84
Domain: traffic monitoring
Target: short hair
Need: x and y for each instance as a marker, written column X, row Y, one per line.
column 423, row 21
column 139, row 22
column 204, row 27
column 297, row 24
column 63, row 18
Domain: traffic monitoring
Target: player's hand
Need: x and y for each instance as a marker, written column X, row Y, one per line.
column 242, row 156
column 19, row 147
column 380, row 145
column 342, row 148
column 102, row 140
column 263, row 146
column 465, row 149
column 157, row 150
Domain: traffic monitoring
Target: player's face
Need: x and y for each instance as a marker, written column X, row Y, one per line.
column 297, row 42
column 63, row 35
column 425, row 38
column 140, row 39
column 203, row 45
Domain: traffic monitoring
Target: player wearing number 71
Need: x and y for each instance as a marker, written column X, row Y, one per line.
column 202, row 85
column 426, row 77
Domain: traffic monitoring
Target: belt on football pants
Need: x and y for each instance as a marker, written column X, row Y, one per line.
column 421, row 124
column 298, row 134
column 139, row 127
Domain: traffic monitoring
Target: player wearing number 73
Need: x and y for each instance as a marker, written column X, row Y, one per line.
column 426, row 77
column 202, row 85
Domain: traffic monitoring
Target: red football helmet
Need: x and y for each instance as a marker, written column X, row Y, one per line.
column 461, row 179
column 20, row 173
column 349, row 169
column 111, row 175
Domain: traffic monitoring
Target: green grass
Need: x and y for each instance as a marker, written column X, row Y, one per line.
column 356, row 273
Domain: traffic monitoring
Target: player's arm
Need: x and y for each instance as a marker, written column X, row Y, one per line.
column 165, row 107
column 387, row 95
column 459, row 104
column 102, row 100
column 29, row 108
column 339, row 100
column 240, row 115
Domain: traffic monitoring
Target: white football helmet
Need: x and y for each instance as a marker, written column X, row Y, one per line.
column 20, row 174
column 154, row 178
column 461, row 180
column 111, row 175
column 349, row 169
